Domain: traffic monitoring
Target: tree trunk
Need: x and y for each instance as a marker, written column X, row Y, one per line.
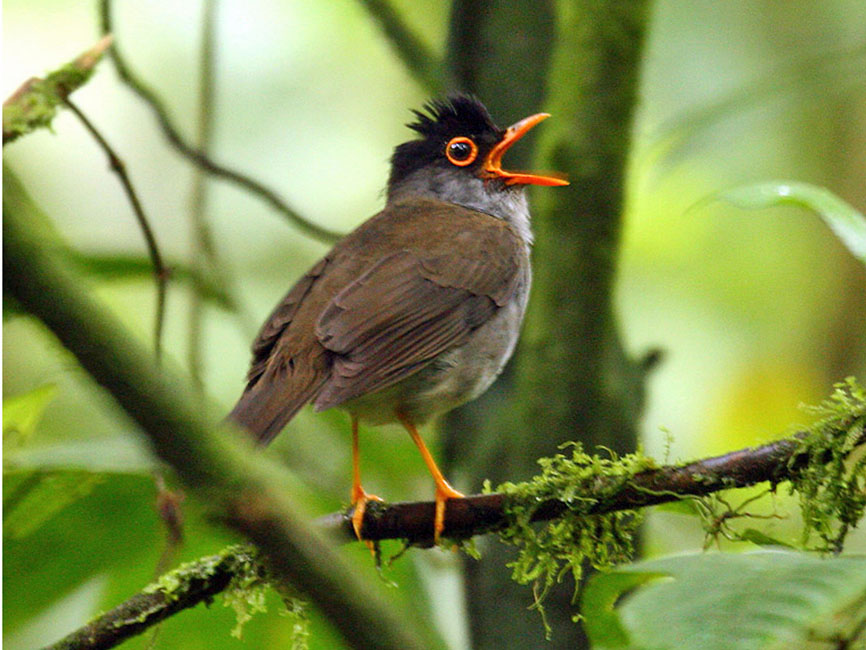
column 579, row 60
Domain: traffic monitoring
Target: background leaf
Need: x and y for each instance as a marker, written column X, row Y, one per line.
column 32, row 498
column 751, row 601
column 848, row 224
column 118, row 266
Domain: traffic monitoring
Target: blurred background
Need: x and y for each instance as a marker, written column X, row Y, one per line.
column 755, row 312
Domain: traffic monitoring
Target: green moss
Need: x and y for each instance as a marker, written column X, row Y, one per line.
column 34, row 105
column 549, row 551
column 35, row 109
column 245, row 592
column 233, row 559
column 246, row 595
column 296, row 609
column 829, row 479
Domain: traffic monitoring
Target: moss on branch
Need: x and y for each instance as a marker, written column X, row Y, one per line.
column 34, row 105
column 232, row 572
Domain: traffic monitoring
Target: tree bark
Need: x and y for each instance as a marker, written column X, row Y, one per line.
column 579, row 60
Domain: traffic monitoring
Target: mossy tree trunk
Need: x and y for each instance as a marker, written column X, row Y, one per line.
column 570, row 378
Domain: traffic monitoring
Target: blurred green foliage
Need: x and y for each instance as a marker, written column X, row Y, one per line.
column 779, row 600
column 756, row 312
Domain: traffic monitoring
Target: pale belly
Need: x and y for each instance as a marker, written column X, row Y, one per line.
column 456, row 377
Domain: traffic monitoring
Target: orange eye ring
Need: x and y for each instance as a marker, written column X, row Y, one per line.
column 461, row 151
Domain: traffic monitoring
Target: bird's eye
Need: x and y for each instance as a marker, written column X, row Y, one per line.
column 461, row 151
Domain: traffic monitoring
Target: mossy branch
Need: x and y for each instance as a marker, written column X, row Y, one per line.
column 214, row 460
column 776, row 462
column 180, row 589
column 34, row 105
column 788, row 459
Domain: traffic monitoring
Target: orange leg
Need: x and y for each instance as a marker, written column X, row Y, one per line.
column 443, row 490
column 359, row 495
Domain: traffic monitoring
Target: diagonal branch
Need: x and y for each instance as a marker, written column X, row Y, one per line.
column 423, row 64
column 197, row 156
column 216, row 462
column 160, row 271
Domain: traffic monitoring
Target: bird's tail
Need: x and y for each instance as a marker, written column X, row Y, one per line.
column 264, row 413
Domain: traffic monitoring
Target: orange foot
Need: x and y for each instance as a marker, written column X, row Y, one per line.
column 443, row 492
column 359, row 501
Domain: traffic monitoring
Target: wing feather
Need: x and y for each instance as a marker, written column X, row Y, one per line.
column 394, row 319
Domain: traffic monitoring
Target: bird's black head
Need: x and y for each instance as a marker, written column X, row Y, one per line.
column 458, row 137
column 454, row 132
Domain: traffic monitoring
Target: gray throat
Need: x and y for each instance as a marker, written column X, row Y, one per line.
column 506, row 203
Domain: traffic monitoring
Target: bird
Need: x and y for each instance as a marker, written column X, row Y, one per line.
column 417, row 310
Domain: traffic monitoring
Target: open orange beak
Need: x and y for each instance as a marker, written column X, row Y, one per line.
column 493, row 164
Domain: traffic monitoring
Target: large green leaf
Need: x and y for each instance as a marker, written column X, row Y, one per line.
column 752, row 601
column 120, row 266
column 848, row 224
column 40, row 480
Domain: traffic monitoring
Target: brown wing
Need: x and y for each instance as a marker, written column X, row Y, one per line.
column 411, row 307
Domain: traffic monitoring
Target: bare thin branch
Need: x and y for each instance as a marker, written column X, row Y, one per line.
column 160, row 271
column 203, row 253
column 174, row 137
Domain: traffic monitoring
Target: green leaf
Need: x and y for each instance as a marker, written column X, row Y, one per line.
column 32, row 498
column 760, row 538
column 602, row 622
column 21, row 413
column 848, row 224
column 118, row 266
column 109, row 266
column 752, row 601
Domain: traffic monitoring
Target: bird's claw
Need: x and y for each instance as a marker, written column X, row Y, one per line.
column 443, row 493
column 359, row 502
